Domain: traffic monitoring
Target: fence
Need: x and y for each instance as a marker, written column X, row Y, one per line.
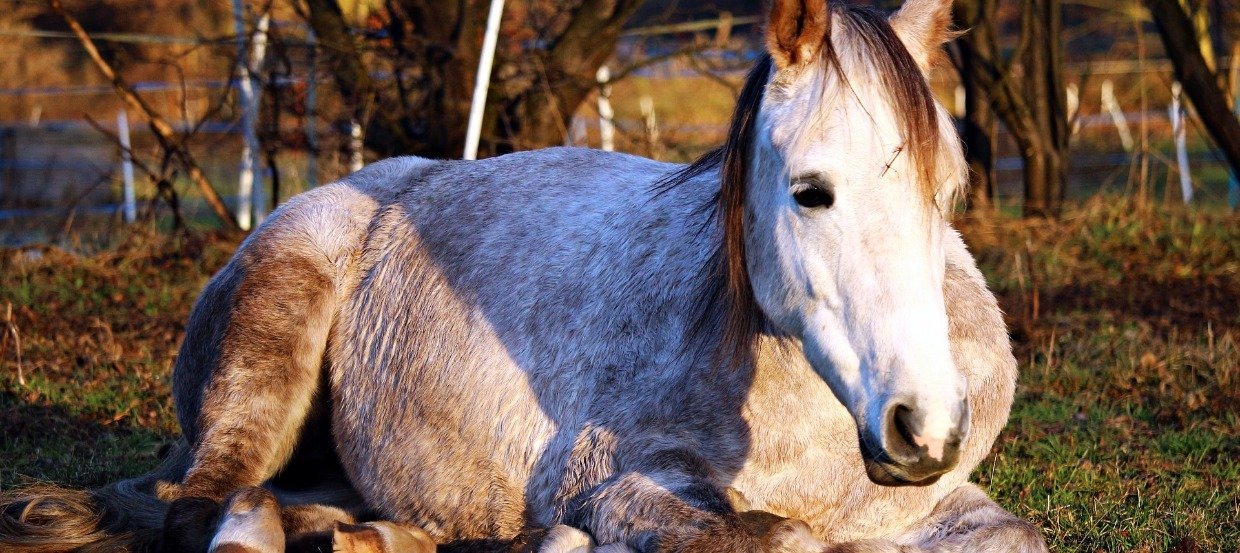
column 64, row 176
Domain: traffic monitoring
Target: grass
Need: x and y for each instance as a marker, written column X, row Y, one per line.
column 1125, row 434
column 98, row 336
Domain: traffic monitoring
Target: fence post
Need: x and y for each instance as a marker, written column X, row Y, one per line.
column 652, row 126
column 576, row 135
column 258, row 54
column 312, row 135
column 249, row 120
column 356, row 145
column 606, row 117
column 1073, row 96
column 960, row 97
column 482, row 80
column 1176, row 111
column 1117, row 115
column 129, row 206
column 723, row 31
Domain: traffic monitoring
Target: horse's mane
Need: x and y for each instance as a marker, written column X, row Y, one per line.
column 875, row 44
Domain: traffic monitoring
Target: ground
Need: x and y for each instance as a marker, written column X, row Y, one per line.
column 1125, row 434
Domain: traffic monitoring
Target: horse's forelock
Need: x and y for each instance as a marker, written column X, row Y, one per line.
column 875, row 44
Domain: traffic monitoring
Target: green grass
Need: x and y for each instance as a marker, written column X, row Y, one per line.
column 1125, row 433
column 98, row 336
column 1107, row 456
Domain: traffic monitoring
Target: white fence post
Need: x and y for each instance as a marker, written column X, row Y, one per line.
column 1073, row 95
column 483, row 80
column 576, row 135
column 356, row 145
column 1110, row 104
column 257, row 55
column 130, row 207
column 249, row 119
column 606, row 117
column 1176, row 111
column 652, row 125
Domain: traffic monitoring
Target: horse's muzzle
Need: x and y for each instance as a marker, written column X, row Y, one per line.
column 902, row 454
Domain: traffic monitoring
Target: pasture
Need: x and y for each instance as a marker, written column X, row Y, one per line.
column 1125, row 434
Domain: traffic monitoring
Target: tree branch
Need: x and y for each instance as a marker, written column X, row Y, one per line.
column 161, row 127
column 1194, row 73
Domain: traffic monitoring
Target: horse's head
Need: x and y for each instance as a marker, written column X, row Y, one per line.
column 850, row 165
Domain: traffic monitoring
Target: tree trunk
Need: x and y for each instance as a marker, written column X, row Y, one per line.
column 540, row 115
column 1042, row 60
column 1199, row 82
column 432, row 51
column 1032, row 105
column 977, row 47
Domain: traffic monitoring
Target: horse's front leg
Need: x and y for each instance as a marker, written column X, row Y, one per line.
column 666, row 503
column 967, row 520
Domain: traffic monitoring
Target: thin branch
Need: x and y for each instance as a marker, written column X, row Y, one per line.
column 161, row 127
column 655, row 60
column 11, row 327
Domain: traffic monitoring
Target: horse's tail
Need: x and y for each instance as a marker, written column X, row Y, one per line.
column 122, row 516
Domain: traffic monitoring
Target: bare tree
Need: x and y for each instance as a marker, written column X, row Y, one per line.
column 174, row 147
column 976, row 49
column 1026, row 92
column 545, row 68
column 1193, row 71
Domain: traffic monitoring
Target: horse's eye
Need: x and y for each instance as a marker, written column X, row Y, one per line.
column 812, row 192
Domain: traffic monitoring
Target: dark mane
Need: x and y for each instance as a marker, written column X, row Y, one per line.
column 876, row 45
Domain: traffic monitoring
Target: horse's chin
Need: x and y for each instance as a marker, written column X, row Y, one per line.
column 887, row 475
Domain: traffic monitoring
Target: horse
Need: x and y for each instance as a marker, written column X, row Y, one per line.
column 612, row 347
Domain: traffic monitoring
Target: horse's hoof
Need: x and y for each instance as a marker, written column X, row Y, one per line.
column 250, row 524
column 189, row 523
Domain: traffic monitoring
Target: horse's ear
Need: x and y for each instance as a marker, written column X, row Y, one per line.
column 924, row 26
column 796, row 31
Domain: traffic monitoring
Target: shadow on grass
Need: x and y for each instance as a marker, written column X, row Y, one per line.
column 1187, row 304
column 47, row 443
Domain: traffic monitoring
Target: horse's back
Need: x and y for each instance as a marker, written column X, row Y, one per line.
column 492, row 298
column 477, row 311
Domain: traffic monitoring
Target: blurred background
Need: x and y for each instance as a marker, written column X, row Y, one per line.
column 140, row 139
column 1057, row 99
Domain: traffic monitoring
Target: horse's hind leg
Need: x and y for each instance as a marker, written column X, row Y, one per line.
column 243, row 403
column 252, row 521
column 967, row 520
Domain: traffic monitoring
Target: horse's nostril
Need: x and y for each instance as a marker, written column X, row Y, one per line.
column 910, row 452
column 903, row 425
column 899, row 440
